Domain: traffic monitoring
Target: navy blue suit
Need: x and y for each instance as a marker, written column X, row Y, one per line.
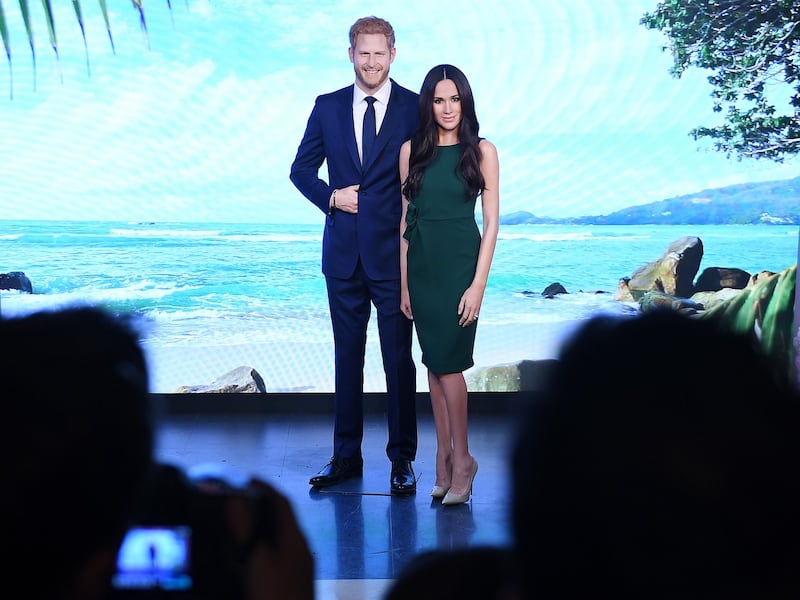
column 361, row 260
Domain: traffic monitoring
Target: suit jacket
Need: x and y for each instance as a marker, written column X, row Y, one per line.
column 372, row 235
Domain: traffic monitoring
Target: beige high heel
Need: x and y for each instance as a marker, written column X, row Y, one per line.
column 439, row 491
column 451, row 498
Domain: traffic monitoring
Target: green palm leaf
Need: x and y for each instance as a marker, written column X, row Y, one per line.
column 7, row 45
column 108, row 24
column 77, row 6
column 51, row 29
column 26, row 17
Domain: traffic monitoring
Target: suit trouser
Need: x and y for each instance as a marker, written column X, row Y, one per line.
column 350, row 302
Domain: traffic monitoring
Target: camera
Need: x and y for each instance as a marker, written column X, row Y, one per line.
column 180, row 545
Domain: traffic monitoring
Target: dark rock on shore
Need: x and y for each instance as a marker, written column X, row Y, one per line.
column 553, row 290
column 525, row 375
column 15, row 280
column 655, row 300
column 713, row 279
column 242, row 380
column 673, row 273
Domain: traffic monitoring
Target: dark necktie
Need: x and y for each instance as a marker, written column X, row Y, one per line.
column 368, row 134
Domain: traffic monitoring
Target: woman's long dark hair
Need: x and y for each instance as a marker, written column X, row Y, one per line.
column 424, row 143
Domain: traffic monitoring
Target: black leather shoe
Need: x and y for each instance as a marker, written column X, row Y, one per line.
column 338, row 470
column 403, row 481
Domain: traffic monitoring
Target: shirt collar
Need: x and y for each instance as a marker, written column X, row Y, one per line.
column 382, row 95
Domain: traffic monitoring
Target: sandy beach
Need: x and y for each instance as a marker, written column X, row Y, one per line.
column 292, row 367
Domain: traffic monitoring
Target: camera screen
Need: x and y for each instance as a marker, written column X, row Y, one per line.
column 155, row 558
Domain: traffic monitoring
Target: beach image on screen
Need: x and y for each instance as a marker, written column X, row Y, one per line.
column 151, row 174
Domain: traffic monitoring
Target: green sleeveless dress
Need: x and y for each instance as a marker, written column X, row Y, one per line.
column 443, row 243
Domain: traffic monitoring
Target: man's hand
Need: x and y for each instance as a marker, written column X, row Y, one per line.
column 347, row 199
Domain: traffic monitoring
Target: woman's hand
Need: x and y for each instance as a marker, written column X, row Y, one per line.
column 470, row 305
column 405, row 303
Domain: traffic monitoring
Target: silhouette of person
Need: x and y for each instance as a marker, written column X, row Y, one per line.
column 659, row 462
column 79, row 449
column 470, row 573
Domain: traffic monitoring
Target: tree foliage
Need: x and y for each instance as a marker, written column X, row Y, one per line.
column 752, row 48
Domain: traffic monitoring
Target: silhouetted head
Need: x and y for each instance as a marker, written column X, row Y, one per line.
column 78, row 440
column 660, row 462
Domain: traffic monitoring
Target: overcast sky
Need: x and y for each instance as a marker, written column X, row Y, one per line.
column 201, row 120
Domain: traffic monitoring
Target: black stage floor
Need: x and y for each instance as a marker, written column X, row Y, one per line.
column 359, row 533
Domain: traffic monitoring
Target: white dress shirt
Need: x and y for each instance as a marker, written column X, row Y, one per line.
column 360, row 107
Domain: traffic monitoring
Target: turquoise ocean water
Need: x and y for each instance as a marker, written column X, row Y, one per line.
column 216, row 284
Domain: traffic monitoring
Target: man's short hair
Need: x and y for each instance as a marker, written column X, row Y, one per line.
column 370, row 25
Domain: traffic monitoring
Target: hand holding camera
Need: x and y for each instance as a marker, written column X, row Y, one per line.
column 205, row 536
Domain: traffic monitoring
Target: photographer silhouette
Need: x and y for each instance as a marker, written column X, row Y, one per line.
column 78, row 466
